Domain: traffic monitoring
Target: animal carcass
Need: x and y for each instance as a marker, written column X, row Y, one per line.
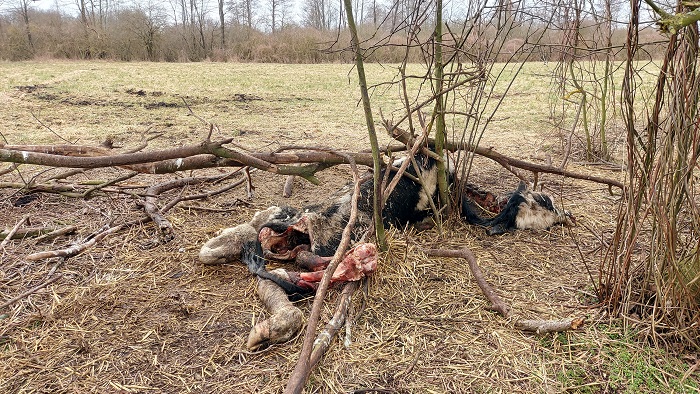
column 522, row 209
column 286, row 233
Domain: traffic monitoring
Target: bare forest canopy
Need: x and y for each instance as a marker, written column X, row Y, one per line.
column 300, row 31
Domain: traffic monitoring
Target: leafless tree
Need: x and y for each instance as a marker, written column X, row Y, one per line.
column 23, row 9
column 278, row 10
column 147, row 22
column 244, row 12
column 320, row 14
column 222, row 22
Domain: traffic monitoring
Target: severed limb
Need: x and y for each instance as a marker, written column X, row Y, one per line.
column 311, row 262
column 545, row 326
column 285, row 319
column 497, row 303
column 357, row 263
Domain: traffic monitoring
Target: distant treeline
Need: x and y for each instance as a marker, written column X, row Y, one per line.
column 133, row 34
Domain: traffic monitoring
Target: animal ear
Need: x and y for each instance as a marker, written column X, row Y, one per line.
column 521, row 187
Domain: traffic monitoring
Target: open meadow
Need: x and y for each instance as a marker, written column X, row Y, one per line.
column 136, row 315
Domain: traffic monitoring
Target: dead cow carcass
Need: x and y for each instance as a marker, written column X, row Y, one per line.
column 311, row 234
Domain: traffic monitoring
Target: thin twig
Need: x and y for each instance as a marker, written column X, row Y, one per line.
column 302, row 369
column 30, row 291
column 497, row 303
column 12, row 232
column 91, row 241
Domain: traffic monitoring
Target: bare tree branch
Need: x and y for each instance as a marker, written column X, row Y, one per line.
column 30, row 291
column 12, row 232
column 497, row 303
column 302, row 369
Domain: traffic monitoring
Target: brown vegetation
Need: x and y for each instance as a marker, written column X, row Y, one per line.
column 149, row 32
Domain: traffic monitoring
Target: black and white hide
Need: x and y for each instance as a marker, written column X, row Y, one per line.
column 524, row 209
column 312, row 234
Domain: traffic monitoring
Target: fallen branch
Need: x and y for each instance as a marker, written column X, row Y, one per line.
column 56, row 233
column 151, row 207
column 9, row 169
column 65, row 190
column 88, row 193
column 545, row 326
column 507, row 162
column 79, row 248
column 302, row 369
column 201, row 196
column 30, row 291
column 497, row 303
column 189, row 157
column 323, row 340
column 12, row 232
column 40, row 232
column 63, row 150
column 213, row 154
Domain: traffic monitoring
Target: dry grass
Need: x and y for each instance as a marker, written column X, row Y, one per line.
column 131, row 315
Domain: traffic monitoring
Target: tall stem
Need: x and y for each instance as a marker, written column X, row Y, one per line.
column 359, row 63
column 439, row 107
